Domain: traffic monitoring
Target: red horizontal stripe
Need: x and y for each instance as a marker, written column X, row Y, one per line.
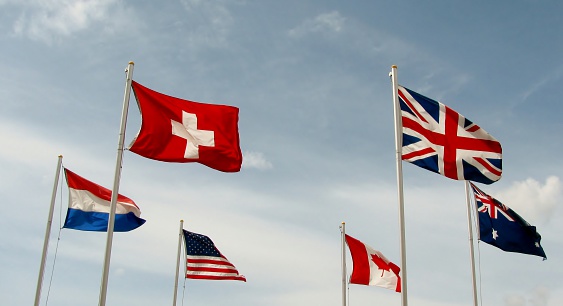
column 212, row 277
column 208, row 269
column 209, row 262
column 455, row 141
column 77, row 182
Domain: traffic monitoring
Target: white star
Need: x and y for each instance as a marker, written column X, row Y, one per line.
column 495, row 234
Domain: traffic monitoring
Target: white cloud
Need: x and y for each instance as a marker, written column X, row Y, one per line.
column 514, row 301
column 540, row 297
column 51, row 20
column 256, row 160
column 532, row 200
column 331, row 22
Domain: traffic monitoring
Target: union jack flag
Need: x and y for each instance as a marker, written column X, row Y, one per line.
column 437, row 138
column 503, row 228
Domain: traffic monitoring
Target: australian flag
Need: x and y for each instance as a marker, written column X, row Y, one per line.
column 437, row 138
column 502, row 227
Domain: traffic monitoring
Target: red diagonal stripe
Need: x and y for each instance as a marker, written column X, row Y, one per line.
column 487, row 165
column 416, row 113
column 418, row 153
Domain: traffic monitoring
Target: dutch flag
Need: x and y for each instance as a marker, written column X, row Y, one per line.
column 89, row 207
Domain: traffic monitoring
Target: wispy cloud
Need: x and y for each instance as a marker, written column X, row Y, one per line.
column 331, row 22
column 540, row 297
column 256, row 160
column 545, row 80
column 52, row 20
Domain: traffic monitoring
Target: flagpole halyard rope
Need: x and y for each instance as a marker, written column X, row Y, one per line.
column 53, row 268
column 471, row 243
column 58, row 240
column 480, row 280
column 476, row 223
column 183, row 289
column 47, row 233
column 180, row 238
column 343, row 261
column 475, row 218
column 348, row 289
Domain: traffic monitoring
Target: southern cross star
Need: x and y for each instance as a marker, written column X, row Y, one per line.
column 495, row 234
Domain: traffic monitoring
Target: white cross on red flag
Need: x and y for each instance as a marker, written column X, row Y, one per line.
column 183, row 131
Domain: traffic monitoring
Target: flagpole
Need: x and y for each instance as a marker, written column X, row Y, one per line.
column 47, row 233
column 180, row 234
column 116, row 180
column 471, row 244
column 398, row 154
column 343, row 237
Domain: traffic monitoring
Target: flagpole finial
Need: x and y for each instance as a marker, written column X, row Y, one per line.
column 394, row 66
column 60, row 155
column 343, row 222
column 131, row 63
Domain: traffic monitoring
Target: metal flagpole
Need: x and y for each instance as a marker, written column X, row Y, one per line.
column 471, row 245
column 343, row 236
column 47, row 233
column 398, row 152
column 180, row 236
column 115, row 190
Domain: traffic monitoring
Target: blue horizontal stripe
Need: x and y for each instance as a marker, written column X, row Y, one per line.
column 98, row 222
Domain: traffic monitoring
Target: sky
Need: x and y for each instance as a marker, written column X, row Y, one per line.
column 311, row 80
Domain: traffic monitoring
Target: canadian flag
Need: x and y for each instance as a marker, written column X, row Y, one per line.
column 182, row 131
column 371, row 267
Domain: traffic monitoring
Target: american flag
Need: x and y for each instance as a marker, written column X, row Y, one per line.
column 503, row 228
column 204, row 261
column 439, row 139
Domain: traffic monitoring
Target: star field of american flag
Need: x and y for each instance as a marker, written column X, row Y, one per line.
column 200, row 245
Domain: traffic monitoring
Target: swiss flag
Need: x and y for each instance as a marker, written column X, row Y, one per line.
column 371, row 267
column 182, row 131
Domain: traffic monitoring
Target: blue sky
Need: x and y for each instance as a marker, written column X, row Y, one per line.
column 316, row 127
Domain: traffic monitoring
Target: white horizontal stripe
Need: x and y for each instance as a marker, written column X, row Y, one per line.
column 211, row 273
column 207, row 265
column 86, row 201
column 195, row 257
